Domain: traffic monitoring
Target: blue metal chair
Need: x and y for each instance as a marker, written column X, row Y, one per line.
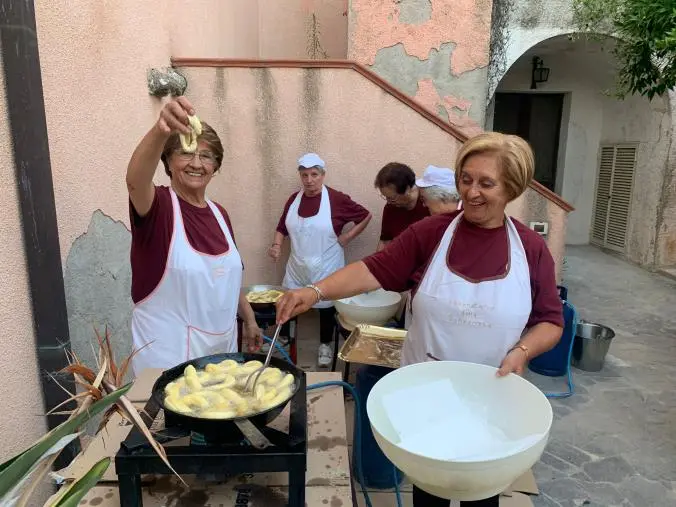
column 565, row 349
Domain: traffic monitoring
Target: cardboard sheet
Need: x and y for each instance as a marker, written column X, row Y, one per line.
column 328, row 472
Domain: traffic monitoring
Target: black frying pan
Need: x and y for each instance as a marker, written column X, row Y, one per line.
column 216, row 428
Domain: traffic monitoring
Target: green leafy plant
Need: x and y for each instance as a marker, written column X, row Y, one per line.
column 102, row 392
column 73, row 494
column 645, row 46
column 20, row 475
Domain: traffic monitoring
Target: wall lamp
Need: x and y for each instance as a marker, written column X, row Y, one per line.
column 540, row 73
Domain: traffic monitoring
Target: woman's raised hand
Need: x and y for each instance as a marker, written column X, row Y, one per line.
column 174, row 116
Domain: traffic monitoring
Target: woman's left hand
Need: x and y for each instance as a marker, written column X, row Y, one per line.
column 252, row 337
column 344, row 239
column 514, row 362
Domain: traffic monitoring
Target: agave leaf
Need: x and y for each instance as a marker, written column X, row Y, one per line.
column 72, row 398
column 73, row 494
column 106, row 348
column 132, row 413
column 79, row 369
column 126, row 363
column 19, row 493
column 11, row 473
column 102, row 372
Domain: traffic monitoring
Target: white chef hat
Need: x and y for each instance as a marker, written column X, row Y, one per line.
column 311, row 160
column 437, row 177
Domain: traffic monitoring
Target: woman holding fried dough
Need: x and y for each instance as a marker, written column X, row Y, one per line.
column 186, row 270
column 488, row 294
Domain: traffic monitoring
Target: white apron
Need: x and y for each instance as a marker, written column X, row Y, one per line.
column 455, row 319
column 193, row 310
column 315, row 251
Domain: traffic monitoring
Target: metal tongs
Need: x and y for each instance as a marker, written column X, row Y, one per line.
column 258, row 372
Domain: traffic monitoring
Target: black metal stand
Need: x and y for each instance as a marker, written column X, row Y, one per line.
column 287, row 454
column 338, row 332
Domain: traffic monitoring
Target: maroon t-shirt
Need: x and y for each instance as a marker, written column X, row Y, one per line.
column 151, row 238
column 343, row 210
column 476, row 253
column 396, row 219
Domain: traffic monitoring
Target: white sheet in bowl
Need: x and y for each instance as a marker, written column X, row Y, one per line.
column 434, row 421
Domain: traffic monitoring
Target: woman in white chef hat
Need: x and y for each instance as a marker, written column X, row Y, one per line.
column 440, row 195
column 313, row 219
column 439, row 192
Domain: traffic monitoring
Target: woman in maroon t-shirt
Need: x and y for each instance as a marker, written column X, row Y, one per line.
column 313, row 219
column 186, row 270
column 488, row 294
column 396, row 184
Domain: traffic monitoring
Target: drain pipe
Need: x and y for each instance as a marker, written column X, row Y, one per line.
column 28, row 127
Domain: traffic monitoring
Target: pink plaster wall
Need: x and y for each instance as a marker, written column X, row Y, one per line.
column 466, row 23
column 21, row 423
column 255, row 28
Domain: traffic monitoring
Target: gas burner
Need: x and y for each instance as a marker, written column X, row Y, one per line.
column 209, row 457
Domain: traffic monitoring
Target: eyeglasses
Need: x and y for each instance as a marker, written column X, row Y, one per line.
column 397, row 198
column 206, row 158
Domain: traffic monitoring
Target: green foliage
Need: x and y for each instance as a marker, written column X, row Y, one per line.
column 15, row 474
column 73, row 494
column 646, row 40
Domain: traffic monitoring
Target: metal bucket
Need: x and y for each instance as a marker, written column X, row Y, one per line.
column 591, row 345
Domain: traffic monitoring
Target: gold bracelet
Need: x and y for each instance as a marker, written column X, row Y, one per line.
column 522, row 347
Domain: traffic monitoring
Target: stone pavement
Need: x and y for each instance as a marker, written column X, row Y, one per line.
column 614, row 442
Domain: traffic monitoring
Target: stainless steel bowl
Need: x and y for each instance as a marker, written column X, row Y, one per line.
column 261, row 288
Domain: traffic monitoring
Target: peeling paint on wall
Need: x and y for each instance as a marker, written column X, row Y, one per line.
column 453, row 109
column 407, row 72
column 97, row 281
column 466, row 23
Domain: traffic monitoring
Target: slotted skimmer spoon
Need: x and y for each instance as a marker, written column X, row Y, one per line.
column 257, row 372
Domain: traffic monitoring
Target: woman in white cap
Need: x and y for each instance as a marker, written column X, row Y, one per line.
column 314, row 219
column 488, row 294
column 438, row 190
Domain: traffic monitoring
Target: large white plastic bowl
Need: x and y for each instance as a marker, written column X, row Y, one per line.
column 375, row 307
column 518, row 408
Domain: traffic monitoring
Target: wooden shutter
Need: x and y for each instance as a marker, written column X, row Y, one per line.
column 612, row 202
column 603, row 181
column 620, row 196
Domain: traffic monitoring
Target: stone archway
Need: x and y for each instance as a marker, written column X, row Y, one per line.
column 582, row 73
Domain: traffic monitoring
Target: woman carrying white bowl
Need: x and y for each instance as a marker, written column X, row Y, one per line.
column 488, row 293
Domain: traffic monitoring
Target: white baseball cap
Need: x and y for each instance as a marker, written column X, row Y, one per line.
column 437, row 177
column 310, row 160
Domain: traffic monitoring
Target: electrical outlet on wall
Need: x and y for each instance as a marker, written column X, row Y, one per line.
column 542, row 228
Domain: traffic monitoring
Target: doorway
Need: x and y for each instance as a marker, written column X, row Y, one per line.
column 537, row 118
